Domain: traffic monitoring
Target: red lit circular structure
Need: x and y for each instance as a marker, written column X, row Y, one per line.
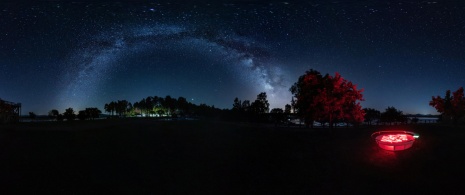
column 394, row 140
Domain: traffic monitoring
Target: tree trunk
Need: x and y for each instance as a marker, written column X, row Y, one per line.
column 331, row 121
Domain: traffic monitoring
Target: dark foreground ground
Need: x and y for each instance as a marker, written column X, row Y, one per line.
column 199, row 157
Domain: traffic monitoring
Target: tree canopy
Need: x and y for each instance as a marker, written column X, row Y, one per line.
column 260, row 105
column 89, row 113
column 391, row 115
column 327, row 98
column 371, row 115
column 452, row 108
column 69, row 114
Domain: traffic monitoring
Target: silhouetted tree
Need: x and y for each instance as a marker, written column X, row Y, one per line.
column 148, row 105
column 305, row 90
column 237, row 105
column 170, row 104
column 293, row 105
column 260, row 105
column 69, row 114
column 82, row 115
column 452, row 108
column 276, row 111
column 122, row 107
column 107, row 108
column 92, row 113
column 182, row 105
column 160, row 107
column 391, row 115
column 53, row 114
column 287, row 109
column 207, row 111
column 60, row 117
column 245, row 106
column 110, row 108
column 32, row 115
column 139, row 106
column 129, row 108
column 371, row 115
column 237, row 113
column 277, row 115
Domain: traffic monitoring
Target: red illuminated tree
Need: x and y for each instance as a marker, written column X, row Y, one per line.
column 338, row 100
column 327, row 98
column 452, row 107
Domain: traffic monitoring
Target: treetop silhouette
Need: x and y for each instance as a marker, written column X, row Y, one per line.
column 452, row 108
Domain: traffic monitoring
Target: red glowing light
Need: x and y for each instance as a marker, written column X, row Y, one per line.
column 394, row 140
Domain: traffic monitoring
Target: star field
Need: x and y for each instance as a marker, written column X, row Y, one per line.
column 58, row 55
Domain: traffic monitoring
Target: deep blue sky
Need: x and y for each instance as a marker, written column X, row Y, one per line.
column 57, row 55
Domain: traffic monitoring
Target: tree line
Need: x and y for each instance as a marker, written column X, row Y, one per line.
column 244, row 110
column 70, row 115
column 151, row 106
column 315, row 98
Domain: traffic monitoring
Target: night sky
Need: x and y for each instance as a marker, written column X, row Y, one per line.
column 57, row 55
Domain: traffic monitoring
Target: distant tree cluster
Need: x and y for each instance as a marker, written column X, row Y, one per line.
column 392, row 115
column 70, row 115
column 32, row 115
column 244, row 110
column 89, row 113
column 259, row 106
column 120, row 107
column 149, row 107
column 327, row 99
column 159, row 106
column 54, row 114
column 277, row 115
column 371, row 115
column 451, row 107
column 155, row 106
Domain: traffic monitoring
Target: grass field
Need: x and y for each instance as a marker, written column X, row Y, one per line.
column 143, row 156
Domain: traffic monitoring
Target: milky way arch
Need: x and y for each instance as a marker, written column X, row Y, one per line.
column 98, row 58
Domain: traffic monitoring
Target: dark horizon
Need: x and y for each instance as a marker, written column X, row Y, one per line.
column 58, row 55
